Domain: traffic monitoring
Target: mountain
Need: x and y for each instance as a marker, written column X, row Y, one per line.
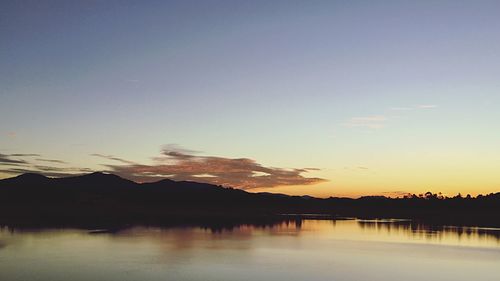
column 107, row 198
column 25, row 179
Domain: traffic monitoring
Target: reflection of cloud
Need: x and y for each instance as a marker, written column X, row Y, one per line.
column 372, row 122
column 244, row 173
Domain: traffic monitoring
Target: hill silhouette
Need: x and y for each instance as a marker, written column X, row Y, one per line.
column 101, row 198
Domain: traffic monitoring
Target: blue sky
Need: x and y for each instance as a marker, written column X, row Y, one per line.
column 407, row 90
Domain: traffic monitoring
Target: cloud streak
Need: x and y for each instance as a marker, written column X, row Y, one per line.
column 7, row 159
column 24, row 155
column 380, row 121
column 426, row 106
column 181, row 165
column 111, row 157
column 371, row 122
column 47, row 171
column 419, row 106
column 11, row 135
column 51, row 161
column 401, row 108
column 11, row 164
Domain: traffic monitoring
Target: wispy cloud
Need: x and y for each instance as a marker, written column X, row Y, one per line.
column 113, row 158
column 395, row 193
column 177, row 164
column 372, row 122
column 11, row 135
column 63, row 170
column 426, row 106
column 419, row 106
column 402, row 108
column 12, row 165
column 380, row 121
column 46, row 170
column 51, row 161
column 6, row 159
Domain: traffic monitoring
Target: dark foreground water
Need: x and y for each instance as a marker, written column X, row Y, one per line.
column 307, row 250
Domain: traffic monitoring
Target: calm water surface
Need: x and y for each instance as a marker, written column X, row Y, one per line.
column 307, row 250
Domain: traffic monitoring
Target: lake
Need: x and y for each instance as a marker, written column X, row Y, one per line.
column 293, row 250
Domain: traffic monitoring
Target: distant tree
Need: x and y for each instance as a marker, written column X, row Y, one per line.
column 430, row 196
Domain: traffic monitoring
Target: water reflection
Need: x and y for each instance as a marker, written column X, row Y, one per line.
column 433, row 233
column 291, row 249
column 380, row 230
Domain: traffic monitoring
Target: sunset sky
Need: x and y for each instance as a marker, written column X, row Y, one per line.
column 326, row 98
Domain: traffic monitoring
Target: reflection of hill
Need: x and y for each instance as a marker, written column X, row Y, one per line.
column 104, row 198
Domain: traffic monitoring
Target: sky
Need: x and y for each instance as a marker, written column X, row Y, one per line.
column 326, row 98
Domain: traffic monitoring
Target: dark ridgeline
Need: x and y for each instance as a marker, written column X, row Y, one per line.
column 98, row 199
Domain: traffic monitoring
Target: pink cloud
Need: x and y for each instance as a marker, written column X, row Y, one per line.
column 179, row 164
